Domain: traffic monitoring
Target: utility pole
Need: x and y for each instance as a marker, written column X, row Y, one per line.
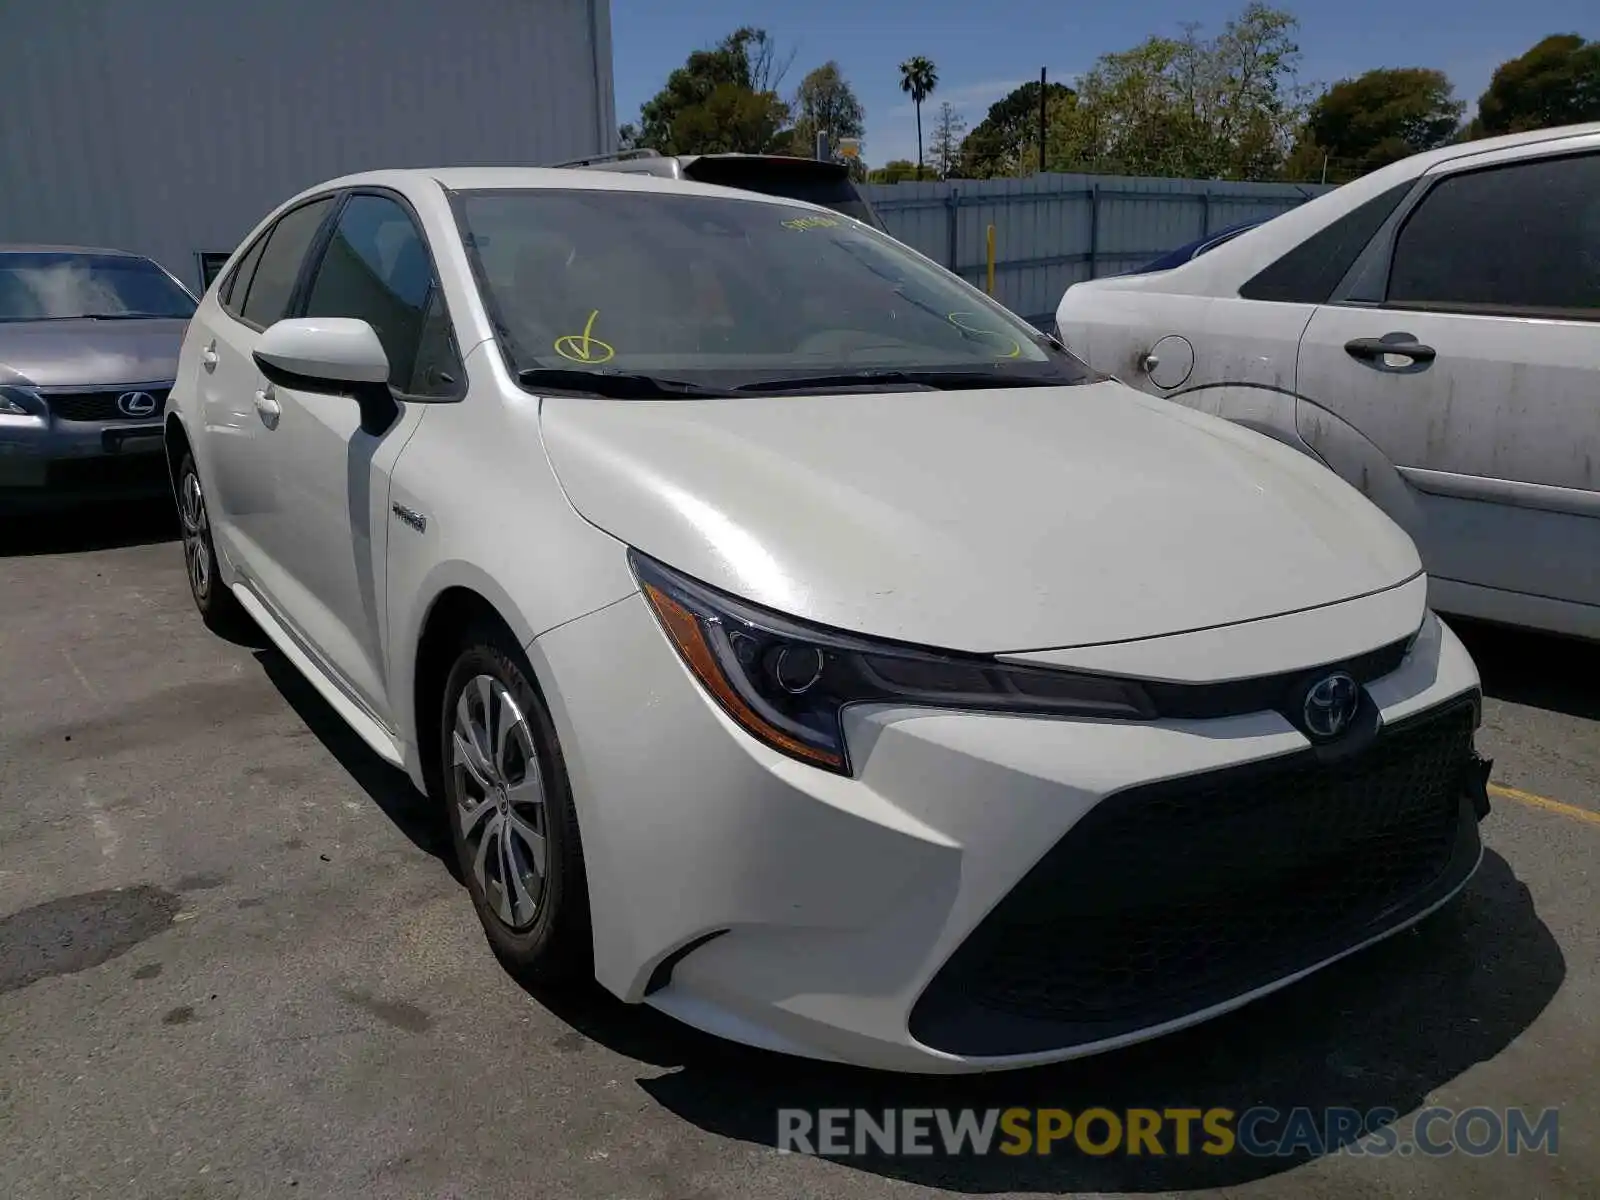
column 1041, row 118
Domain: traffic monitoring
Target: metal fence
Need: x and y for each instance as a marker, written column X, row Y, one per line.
column 1054, row 230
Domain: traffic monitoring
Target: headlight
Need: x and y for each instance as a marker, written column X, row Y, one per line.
column 788, row 683
column 16, row 401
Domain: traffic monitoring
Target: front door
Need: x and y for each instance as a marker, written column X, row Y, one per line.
column 1474, row 366
column 334, row 467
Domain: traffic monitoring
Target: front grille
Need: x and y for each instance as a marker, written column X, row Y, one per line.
column 102, row 406
column 1170, row 898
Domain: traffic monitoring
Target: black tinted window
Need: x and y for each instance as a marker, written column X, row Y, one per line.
column 60, row 285
column 273, row 282
column 1309, row 273
column 790, row 179
column 237, row 285
column 1519, row 238
column 377, row 268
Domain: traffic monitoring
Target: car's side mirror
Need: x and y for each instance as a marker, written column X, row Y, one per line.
column 322, row 354
column 339, row 356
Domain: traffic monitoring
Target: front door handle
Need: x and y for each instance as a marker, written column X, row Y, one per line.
column 1397, row 352
column 208, row 356
column 267, row 406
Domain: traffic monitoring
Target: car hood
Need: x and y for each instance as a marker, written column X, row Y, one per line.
column 90, row 353
column 976, row 520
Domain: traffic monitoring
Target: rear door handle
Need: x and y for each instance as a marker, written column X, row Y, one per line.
column 208, row 356
column 1400, row 352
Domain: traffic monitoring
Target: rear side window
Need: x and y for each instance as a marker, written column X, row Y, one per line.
column 272, row 284
column 235, row 286
column 1521, row 239
column 1309, row 273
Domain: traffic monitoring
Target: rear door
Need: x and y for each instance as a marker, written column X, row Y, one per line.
column 245, row 497
column 1466, row 346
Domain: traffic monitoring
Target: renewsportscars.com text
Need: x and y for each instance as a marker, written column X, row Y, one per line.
column 1258, row 1132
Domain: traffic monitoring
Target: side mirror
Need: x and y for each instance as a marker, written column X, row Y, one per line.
column 322, row 354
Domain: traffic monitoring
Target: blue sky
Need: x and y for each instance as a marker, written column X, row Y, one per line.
column 983, row 50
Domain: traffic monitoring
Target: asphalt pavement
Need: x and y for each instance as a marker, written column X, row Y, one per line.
column 233, row 963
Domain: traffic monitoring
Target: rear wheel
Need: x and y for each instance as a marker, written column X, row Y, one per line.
column 512, row 819
column 218, row 607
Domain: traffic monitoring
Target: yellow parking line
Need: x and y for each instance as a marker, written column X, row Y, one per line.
column 1544, row 802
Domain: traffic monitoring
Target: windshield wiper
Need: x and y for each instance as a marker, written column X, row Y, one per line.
column 620, row 385
column 949, row 380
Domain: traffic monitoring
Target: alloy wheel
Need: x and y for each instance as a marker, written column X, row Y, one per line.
column 192, row 518
column 499, row 800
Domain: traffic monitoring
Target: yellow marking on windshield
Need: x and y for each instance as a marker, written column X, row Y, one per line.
column 803, row 223
column 956, row 319
column 584, row 347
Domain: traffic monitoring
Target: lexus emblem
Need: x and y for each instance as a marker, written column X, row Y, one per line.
column 136, row 404
column 1331, row 705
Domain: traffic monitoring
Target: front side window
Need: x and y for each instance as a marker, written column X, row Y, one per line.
column 67, row 285
column 376, row 268
column 1522, row 239
column 272, row 284
column 729, row 292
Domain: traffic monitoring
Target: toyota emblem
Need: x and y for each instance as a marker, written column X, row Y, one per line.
column 136, row 404
column 1331, row 705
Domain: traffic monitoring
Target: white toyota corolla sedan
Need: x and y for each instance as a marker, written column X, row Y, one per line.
column 798, row 641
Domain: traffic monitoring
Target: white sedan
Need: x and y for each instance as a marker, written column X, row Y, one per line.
column 800, row 643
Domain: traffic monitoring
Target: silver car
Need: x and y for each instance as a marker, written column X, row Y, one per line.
column 89, row 345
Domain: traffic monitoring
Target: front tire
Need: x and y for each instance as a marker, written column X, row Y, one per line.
column 512, row 820
column 218, row 608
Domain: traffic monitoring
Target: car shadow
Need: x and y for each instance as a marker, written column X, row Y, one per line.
column 1533, row 669
column 104, row 525
column 1381, row 1030
column 389, row 787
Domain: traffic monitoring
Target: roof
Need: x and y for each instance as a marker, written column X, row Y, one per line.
column 465, row 179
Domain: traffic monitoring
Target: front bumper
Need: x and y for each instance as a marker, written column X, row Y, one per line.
column 989, row 890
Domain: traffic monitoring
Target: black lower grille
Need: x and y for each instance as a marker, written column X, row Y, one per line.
column 103, row 406
column 1170, row 898
column 109, row 473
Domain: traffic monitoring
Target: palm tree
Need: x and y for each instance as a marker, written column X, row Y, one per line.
column 918, row 78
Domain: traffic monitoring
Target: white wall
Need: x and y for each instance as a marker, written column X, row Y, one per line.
column 168, row 127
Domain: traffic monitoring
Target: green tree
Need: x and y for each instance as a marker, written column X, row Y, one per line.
column 1555, row 83
column 896, row 170
column 722, row 99
column 1220, row 108
column 944, row 143
column 1361, row 124
column 825, row 103
column 996, row 144
column 918, row 78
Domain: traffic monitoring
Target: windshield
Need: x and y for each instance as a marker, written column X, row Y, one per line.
column 61, row 285
column 731, row 293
